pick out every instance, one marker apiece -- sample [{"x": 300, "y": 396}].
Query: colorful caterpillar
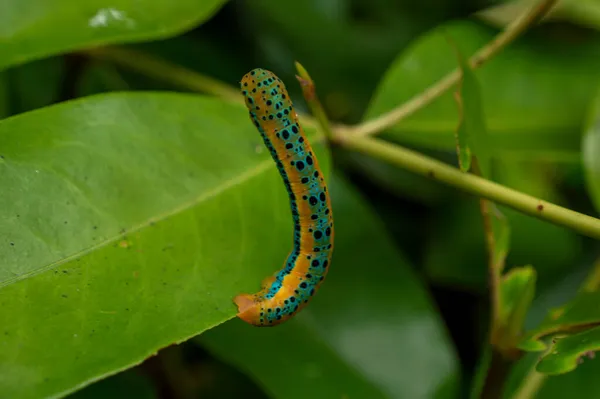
[{"x": 290, "y": 289}]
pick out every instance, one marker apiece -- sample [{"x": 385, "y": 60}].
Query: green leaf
[
  {"x": 566, "y": 353},
  {"x": 462, "y": 138},
  {"x": 582, "y": 382},
  {"x": 591, "y": 152},
  {"x": 37, "y": 28},
  {"x": 524, "y": 114},
  {"x": 472, "y": 131},
  {"x": 362, "y": 333},
  {"x": 579, "y": 314},
  {"x": 517, "y": 290},
  {"x": 129, "y": 222}
]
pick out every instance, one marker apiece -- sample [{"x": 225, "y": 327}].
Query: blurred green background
[{"x": 367, "y": 57}]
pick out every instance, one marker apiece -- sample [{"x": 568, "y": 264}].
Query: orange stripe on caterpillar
[{"x": 290, "y": 289}]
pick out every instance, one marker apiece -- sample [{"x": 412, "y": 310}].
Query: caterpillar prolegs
[{"x": 290, "y": 289}]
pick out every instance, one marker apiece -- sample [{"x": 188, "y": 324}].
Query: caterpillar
[{"x": 290, "y": 289}]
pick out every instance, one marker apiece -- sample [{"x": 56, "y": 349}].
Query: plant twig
[
  {"x": 509, "y": 34},
  {"x": 172, "y": 73},
  {"x": 495, "y": 378},
  {"x": 163, "y": 70},
  {"x": 494, "y": 271},
  {"x": 310, "y": 95},
  {"x": 531, "y": 384},
  {"x": 434, "y": 169}
]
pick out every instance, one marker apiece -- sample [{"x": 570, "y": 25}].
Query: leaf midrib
[{"x": 260, "y": 167}]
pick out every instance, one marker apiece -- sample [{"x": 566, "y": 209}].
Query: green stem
[
  {"x": 429, "y": 167},
  {"x": 172, "y": 73},
  {"x": 531, "y": 384},
  {"x": 508, "y": 35},
  {"x": 310, "y": 95},
  {"x": 157, "y": 68},
  {"x": 494, "y": 270},
  {"x": 495, "y": 378}
]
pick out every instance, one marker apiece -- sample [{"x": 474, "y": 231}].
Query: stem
[
  {"x": 310, "y": 95},
  {"x": 509, "y": 34},
  {"x": 157, "y": 68},
  {"x": 494, "y": 271},
  {"x": 429, "y": 167},
  {"x": 497, "y": 374},
  {"x": 531, "y": 385},
  {"x": 172, "y": 73}
]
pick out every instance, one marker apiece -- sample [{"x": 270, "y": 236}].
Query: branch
[
  {"x": 478, "y": 186},
  {"x": 163, "y": 70},
  {"x": 508, "y": 35},
  {"x": 177, "y": 75},
  {"x": 312, "y": 100},
  {"x": 532, "y": 383}
]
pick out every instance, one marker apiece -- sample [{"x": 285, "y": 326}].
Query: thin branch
[
  {"x": 163, "y": 70},
  {"x": 494, "y": 271},
  {"x": 310, "y": 95},
  {"x": 174, "y": 74},
  {"x": 478, "y": 186},
  {"x": 509, "y": 34},
  {"x": 531, "y": 384}
]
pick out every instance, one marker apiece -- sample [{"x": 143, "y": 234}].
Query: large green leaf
[
  {"x": 591, "y": 152},
  {"x": 128, "y": 222},
  {"x": 519, "y": 86},
  {"x": 370, "y": 332},
  {"x": 32, "y": 29}
]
